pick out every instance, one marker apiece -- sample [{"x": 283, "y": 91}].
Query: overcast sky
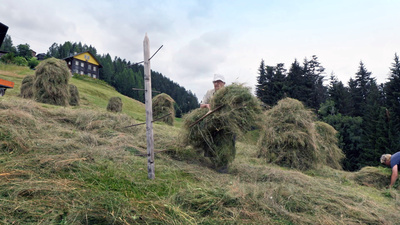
[{"x": 204, "y": 37}]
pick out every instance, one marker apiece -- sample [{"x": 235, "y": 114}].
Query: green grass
[{"x": 79, "y": 165}]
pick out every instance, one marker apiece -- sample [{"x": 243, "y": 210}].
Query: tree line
[
  {"x": 123, "y": 75},
  {"x": 365, "y": 114}
]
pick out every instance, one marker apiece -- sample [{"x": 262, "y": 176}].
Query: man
[
  {"x": 393, "y": 161},
  {"x": 219, "y": 82}
]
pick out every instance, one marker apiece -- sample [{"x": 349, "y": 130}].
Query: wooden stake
[{"x": 149, "y": 110}]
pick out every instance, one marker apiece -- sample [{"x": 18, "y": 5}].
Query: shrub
[
  {"x": 33, "y": 62},
  {"x": 20, "y": 61}
]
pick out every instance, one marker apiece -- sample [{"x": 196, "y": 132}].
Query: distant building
[
  {"x": 85, "y": 64},
  {"x": 2, "y": 53},
  {"x": 33, "y": 53},
  {"x": 41, "y": 56}
]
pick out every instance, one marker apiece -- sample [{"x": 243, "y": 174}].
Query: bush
[
  {"x": 51, "y": 82},
  {"x": 74, "y": 95},
  {"x": 8, "y": 58},
  {"x": 163, "y": 105},
  {"x": 27, "y": 87},
  {"x": 20, "y": 61},
  {"x": 33, "y": 62},
  {"x": 114, "y": 104}
]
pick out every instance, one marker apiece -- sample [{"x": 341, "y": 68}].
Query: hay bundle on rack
[
  {"x": 27, "y": 87},
  {"x": 51, "y": 82},
  {"x": 73, "y": 95},
  {"x": 163, "y": 105},
  {"x": 216, "y": 133},
  {"x": 290, "y": 138},
  {"x": 114, "y": 104}
]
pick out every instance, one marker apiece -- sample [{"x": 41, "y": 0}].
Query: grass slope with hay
[{"x": 79, "y": 165}]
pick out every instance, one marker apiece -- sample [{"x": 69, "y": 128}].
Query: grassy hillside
[{"x": 79, "y": 165}]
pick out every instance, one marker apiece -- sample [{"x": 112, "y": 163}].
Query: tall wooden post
[{"x": 149, "y": 110}]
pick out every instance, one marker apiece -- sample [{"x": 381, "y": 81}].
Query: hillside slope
[{"x": 80, "y": 165}]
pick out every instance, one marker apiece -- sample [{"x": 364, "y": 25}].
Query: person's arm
[
  {"x": 394, "y": 176},
  {"x": 205, "y": 106}
]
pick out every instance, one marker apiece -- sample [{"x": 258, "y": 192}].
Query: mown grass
[{"x": 80, "y": 165}]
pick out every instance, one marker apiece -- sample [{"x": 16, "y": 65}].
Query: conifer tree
[{"x": 392, "y": 94}]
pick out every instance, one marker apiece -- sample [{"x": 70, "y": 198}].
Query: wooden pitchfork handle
[{"x": 207, "y": 114}]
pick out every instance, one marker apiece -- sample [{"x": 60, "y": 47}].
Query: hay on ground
[
  {"x": 114, "y": 104},
  {"x": 163, "y": 105},
  {"x": 215, "y": 135},
  {"x": 27, "y": 87},
  {"x": 51, "y": 82},
  {"x": 291, "y": 138},
  {"x": 376, "y": 177},
  {"x": 74, "y": 95}
]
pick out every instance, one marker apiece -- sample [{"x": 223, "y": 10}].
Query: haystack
[
  {"x": 114, "y": 104},
  {"x": 51, "y": 82},
  {"x": 163, "y": 105},
  {"x": 27, "y": 87},
  {"x": 74, "y": 95},
  {"x": 215, "y": 135},
  {"x": 327, "y": 144},
  {"x": 291, "y": 138}
]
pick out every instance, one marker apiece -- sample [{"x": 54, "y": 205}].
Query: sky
[{"x": 230, "y": 37}]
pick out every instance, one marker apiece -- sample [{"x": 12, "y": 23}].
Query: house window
[
  {"x": 81, "y": 72},
  {"x": 77, "y": 63},
  {"x": 94, "y": 68},
  {"x": 82, "y": 64},
  {"x": 89, "y": 67},
  {"x": 94, "y": 76},
  {"x": 90, "y": 75}
]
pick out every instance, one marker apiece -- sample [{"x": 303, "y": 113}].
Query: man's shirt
[
  {"x": 207, "y": 97},
  {"x": 395, "y": 159}
]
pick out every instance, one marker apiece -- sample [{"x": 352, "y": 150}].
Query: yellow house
[{"x": 84, "y": 63}]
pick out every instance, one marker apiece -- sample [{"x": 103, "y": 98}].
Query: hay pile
[
  {"x": 114, "y": 104},
  {"x": 51, "y": 82},
  {"x": 73, "y": 95},
  {"x": 291, "y": 138},
  {"x": 376, "y": 177},
  {"x": 27, "y": 87},
  {"x": 327, "y": 143},
  {"x": 215, "y": 135},
  {"x": 163, "y": 104}
]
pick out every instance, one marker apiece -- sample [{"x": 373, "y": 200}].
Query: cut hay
[
  {"x": 376, "y": 177},
  {"x": 114, "y": 104},
  {"x": 291, "y": 138},
  {"x": 27, "y": 87},
  {"x": 215, "y": 135},
  {"x": 163, "y": 105},
  {"x": 327, "y": 144},
  {"x": 51, "y": 82},
  {"x": 74, "y": 95}
]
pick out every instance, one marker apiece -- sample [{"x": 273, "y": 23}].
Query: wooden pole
[{"x": 149, "y": 110}]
